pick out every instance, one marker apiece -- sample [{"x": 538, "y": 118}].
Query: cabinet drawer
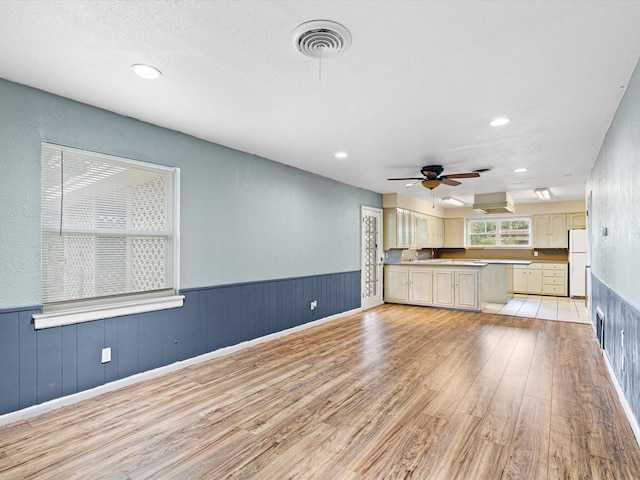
[
  {"x": 554, "y": 290},
  {"x": 532, "y": 266},
  {"x": 555, "y": 266},
  {"x": 553, "y": 281},
  {"x": 555, "y": 273}
]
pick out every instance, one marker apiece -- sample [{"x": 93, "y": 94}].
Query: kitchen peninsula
[{"x": 457, "y": 284}]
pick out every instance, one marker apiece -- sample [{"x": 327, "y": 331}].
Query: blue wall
[
  {"x": 243, "y": 218},
  {"x": 259, "y": 241},
  {"x": 40, "y": 365}
]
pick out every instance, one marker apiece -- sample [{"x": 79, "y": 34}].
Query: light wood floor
[
  {"x": 562, "y": 309},
  {"x": 396, "y": 392}
]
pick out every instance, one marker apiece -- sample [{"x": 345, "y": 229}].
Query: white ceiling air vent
[
  {"x": 493, "y": 203},
  {"x": 321, "y": 39}
]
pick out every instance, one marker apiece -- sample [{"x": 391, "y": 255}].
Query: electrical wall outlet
[
  {"x": 106, "y": 355},
  {"x": 535, "y": 253},
  {"x": 314, "y": 305}
]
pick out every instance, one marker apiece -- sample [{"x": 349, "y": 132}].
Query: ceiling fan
[{"x": 432, "y": 177}]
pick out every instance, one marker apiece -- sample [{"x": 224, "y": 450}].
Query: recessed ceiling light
[
  {"x": 520, "y": 170},
  {"x": 498, "y": 122},
  {"x": 146, "y": 71},
  {"x": 341, "y": 155}
]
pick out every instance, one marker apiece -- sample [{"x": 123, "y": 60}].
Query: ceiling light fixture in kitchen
[
  {"x": 146, "y": 71},
  {"x": 453, "y": 201},
  {"x": 499, "y": 121},
  {"x": 341, "y": 154},
  {"x": 543, "y": 193}
]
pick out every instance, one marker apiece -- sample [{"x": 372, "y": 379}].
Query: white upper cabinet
[
  {"x": 422, "y": 231},
  {"x": 576, "y": 220},
  {"x": 454, "y": 233},
  {"x": 399, "y": 228},
  {"x": 550, "y": 231}
]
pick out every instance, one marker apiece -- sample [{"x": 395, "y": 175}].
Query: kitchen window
[
  {"x": 109, "y": 236},
  {"x": 507, "y": 232}
]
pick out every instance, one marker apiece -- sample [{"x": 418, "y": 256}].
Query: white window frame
[
  {"x": 498, "y": 220},
  {"x": 71, "y": 311}
]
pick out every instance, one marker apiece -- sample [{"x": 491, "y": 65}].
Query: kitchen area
[{"x": 444, "y": 258}]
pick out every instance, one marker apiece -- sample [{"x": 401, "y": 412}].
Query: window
[
  {"x": 508, "y": 232},
  {"x": 109, "y": 236}
]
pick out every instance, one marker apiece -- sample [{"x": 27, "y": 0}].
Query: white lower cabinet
[
  {"x": 555, "y": 279},
  {"x": 458, "y": 288},
  {"x": 396, "y": 281},
  {"x": 443, "y": 285},
  {"x": 466, "y": 289},
  {"x": 527, "y": 279},
  {"x": 420, "y": 286}
]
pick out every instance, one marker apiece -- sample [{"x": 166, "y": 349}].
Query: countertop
[
  {"x": 470, "y": 262},
  {"x": 442, "y": 263}
]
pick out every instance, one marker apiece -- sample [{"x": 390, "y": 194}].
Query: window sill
[{"x": 79, "y": 315}]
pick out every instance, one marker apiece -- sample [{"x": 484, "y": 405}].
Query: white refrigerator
[{"x": 577, "y": 262}]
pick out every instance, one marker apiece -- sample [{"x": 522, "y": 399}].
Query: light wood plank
[{"x": 395, "y": 392}]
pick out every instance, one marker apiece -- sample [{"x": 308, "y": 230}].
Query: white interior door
[{"x": 372, "y": 257}]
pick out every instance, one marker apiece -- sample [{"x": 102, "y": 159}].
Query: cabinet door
[
  {"x": 558, "y": 231},
  {"x": 395, "y": 284},
  {"x": 439, "y": 222},
  {"x": 576, "y": 220},
  {"x": 535, "y": 282},
  {"x": 520, "y": 280},
  {"x": 466, "y": 289},
  {"x": 454, "y": 233},
  {"x": 541, "y": 231},
  {"x": 443, "y": 287},
  {"x": 420, "y": 286},
  {"x": 406, "y": 229},
  {"x": 422, "y": 240},
  {"x": 401, "y": 222}
]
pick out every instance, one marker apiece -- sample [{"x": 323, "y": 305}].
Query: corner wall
[{"x": 613, "y": 225}]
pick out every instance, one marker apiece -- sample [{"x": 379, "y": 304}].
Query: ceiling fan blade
[
  {"x": 462, "y": 175},
  {"x": 448, "y": 181},
  {"x": 406, "y": 178}
]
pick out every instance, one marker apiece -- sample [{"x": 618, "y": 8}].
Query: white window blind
[{"x": 109, "y": 229}]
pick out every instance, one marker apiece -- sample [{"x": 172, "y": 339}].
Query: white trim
[
  {"x": 41, "y": 408},
  {"x": 633, "y": 421},
  {"x": 378, "y": 213},
  {"x": 88, "y": 314}
]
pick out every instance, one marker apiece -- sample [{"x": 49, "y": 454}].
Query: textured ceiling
[{"x": 418, "y": 86}]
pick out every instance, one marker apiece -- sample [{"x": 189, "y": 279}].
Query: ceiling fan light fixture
[
  {"x": 431, "y": 183},
  {"x": 453, "y": 201},
  {"x": 146, "y": 71},
  {"x": 543, "y": 193}
]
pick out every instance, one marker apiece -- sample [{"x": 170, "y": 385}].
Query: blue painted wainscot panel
[
  {"x": 40, "y": 365},
  {"x": 620, "y": 316}
]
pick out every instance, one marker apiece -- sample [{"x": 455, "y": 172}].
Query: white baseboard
[
  {"x": 633, "y": 421},
  {"x": 41, "y": 408}
]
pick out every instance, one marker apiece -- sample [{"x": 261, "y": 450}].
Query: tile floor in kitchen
[{"x": 563, "y": 309}]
